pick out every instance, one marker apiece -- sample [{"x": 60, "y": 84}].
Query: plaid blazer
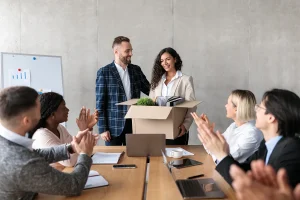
[{"x": 110, "y": 91}]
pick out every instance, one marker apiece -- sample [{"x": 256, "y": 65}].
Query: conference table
[{"x": 160, "y": 185}]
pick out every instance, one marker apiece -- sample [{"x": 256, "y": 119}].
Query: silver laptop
[
  {"x": 195, "y": 189},
  {"x": 139, "y": 145}
]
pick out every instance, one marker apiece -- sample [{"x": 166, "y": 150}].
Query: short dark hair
[
  {"x": 118, "y": 40},
  {"x": 16, "y": 100},
  {"x": 285, "y": 106}
]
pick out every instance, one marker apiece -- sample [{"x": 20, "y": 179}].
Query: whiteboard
[{"x": 45, "y": 71}]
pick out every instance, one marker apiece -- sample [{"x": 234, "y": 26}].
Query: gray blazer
[
  {"x": 24, "y": 173},
  {"x": 183, "y": 87}
]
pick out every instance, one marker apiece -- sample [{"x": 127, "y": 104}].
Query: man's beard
[{"x": 124, "y": 60}]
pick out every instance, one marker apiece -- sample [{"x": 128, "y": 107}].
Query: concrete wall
[{"x": 224, "y": 44}]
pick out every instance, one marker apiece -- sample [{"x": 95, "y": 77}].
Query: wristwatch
[{"x": 70, "y": 148}]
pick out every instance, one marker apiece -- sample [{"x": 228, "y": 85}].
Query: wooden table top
[
  {"x": 161, "y": 185},
  {"x": 123, "y": 183}
]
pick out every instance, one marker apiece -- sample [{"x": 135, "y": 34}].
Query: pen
[{"x": 196, "y": 176}]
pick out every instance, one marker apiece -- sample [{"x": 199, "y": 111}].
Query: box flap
[
  {"x": 188, "y": 104},
  {"x": 128, "y": 103},
  {"x": 148, "y": 112}
]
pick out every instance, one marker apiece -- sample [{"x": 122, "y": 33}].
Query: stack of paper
[
  {"x": 95, "y": 180},
  {"x": 185, "y": 153},
  {"x": 106, "y": 158}
]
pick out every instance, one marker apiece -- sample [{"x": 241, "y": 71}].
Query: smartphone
[{"x": 129, "y": 166}]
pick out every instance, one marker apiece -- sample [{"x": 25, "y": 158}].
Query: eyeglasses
[{"x": 258, "y": 107}]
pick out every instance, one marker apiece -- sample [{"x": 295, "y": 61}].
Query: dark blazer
[
  {"x": 286, "y": 154},
  {"x": 110, "y": 91}
]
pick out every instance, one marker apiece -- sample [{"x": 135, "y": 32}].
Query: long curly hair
[
  {"x": 50, "y": 102},
  {"x": 158, "y": 70}
]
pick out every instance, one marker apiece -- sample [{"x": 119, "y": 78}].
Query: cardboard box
[{"x": 157, "y": 119}]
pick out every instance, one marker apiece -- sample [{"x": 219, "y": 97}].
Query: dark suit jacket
[
  {"x": 286, "y": 154},
  {"x": 110, "y": 91}
]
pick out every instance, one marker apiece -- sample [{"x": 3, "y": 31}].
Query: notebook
[
  {"x": 95, "y": 180},
  {"x": 106, "y": 158}
]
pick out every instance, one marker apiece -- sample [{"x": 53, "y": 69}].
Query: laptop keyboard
[{"x": 190, "y": 188}]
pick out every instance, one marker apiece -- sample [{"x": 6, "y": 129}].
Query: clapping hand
[{"x": 85, "y": 120}]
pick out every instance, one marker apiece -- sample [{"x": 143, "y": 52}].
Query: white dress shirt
[
  {"x": 166, "y": 89},
  {"x": 124, "y": 75},
  {"x": 243, "y": 141},
  {"x": 16, "y": 138}
]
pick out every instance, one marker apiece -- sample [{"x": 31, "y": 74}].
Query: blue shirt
[{"x": 271, "y": 145}]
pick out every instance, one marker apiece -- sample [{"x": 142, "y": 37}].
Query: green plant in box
[{"x": 145, "y": 101}]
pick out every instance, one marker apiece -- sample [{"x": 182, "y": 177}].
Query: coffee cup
[{"x": 177, "y": 153}]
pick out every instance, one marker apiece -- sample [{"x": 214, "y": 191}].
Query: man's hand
[
  {"x": 105, "y": 136},
  {"x": 248, "y": 188},
  {"x": 81, "y": 134},
  {"x": 214, "y": 142},
  {"x": 263, "y": 174},
  {"x": 85, "y": 145}
]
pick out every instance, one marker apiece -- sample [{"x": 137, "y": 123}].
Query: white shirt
[
  {"x": 16, "y": 138},
  {"x": 166, "y": 89},
  {"x": 243, "y": 141},
  {"x": 124, "y": 75}
]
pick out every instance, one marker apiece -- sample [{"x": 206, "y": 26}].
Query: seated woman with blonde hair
[
  {"x": 49, "y": 132},
  {"x": 242, "y": 135}
]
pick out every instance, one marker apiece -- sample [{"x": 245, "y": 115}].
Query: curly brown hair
[{"x": 158, "y": 70}]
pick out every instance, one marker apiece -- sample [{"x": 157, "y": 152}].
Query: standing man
[{"x": 117, "y": 82}]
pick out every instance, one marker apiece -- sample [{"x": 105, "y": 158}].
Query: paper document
[
  {"x": 185, "y": 153},
  {"x": 106, "y": 158},
  {"x": 95, "y": 180},
  {"x": 93, "y": 173},
  {"x": 19, "y": 77}
]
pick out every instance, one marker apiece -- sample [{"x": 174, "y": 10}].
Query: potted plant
[{"x": 145, "y": 101}]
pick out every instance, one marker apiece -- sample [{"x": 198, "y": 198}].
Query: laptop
[
  {"x": 195, "y": 189},
  {"x": 139, "y": 145}
]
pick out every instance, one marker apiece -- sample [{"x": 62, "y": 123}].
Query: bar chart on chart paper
[{"x": 19, "y": 77}]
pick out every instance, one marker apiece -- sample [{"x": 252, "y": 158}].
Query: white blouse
[
  {"x": 243, "y": 141},
  {"x": 166, "y": 89}
]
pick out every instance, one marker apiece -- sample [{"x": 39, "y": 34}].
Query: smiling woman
[
  {"x": 49, "y": 132},
  {"x": 168, "y": 80}
]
